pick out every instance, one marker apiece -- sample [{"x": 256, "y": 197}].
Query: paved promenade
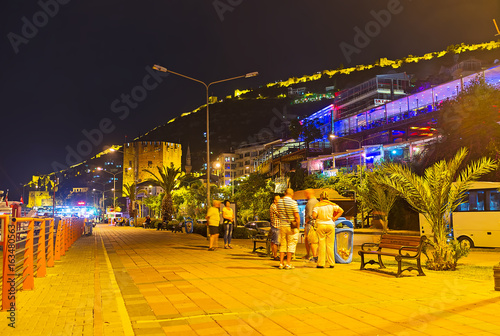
[{"x": 131, "y": 281}]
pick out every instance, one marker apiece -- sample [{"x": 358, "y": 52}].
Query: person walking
[
  {"x": 289, "y": 228},
  {"x": 275, "y": 227},
  {"x": 311, "y": 242},
  {"x": 213, "y": 219},
  {"x": 228, "y": 222},
  {"x": 326, "y": 213}
]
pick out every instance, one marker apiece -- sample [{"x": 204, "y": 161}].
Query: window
[
  {"x": 150, "y": 164},
  {"x": 476, "y": 200},
  {"x": 481, "y": 200},
  {"x": 494, "y": 202},
  {"x": 130, "y": 164}
]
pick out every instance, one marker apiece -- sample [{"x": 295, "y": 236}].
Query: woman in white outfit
[{"x": 326, "y": 213}]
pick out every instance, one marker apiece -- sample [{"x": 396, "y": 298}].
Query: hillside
[{"x": 257, "y": 115}]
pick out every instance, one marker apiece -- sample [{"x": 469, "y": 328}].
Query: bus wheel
[{"x": 466, "y": 242}]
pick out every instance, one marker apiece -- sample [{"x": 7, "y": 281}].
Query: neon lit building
[{"x": 410, "y": 106}]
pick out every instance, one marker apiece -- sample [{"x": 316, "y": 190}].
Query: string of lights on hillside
[{"x": 382, "y": 63}]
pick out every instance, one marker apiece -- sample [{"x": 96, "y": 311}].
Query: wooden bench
[
  {"x": 409, "y": 247},
  {"x": 261, "y": 238}
]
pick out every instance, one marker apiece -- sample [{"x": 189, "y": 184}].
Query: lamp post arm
[
  {"x": 191, "y": 78},
  {"x": 226, "y": 80}
]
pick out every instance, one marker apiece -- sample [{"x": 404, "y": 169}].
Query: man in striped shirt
[{"x": 289, "y": 212}]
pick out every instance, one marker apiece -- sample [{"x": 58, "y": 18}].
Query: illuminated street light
[
  {"x": 207, "y": 86},
  {"x": 361, "y": 155},
  {"x": 114, "y": 183}
]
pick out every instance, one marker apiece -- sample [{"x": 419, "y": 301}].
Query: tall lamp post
[
  {"x": 114, "y": 183},
  {"x": 207, "y": 86},
  {"x": 94, "y": 190}
]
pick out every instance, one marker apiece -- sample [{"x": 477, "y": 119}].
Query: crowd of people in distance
[{"x": 320, "y": 217}]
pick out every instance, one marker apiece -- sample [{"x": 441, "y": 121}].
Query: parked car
[{"x": 259, "y": 227}]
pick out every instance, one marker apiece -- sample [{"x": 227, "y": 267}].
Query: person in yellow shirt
[
  {"x": 213, "y": 219},
  {"x": 228, "y": 221},
  {"x": 326, "y": 213}
]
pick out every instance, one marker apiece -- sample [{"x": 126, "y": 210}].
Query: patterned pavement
[{"x": 131, "y": 281}]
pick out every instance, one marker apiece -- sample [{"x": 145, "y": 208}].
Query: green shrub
[
  {"x": 140, "y": 222},
  {"x": 155, "y": 222},
  {"x": 200, "y": 229},
  {"x": 241, "y": 232}
]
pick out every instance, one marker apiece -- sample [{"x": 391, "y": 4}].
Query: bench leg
[
  {"x": 380, "y": 263},
  {"x": 362, "y": 261},
  {"x": 399, "y": 269},
  {"x": 254, "y": 246},
  {"x": 419, "y": 266}
]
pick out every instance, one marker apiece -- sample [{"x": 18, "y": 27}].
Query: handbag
[
  {"x": 312, "y": 236},
  {"x": 293, "y": 224}
]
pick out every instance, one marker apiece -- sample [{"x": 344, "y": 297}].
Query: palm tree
[
  {"x": 168, "y": 179},
  {"x": 380, "y": 196},
  {"x": 129, "y": 190},
  {"x": 436, "y": 194}
]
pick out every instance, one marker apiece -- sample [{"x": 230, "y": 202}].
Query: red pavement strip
[{"x": 131, "y": 281}]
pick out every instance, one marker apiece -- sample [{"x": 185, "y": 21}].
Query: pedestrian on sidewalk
[
  {"x": 213, "y": 219},
  {"x": 228, "y": 222},
  {"x": 275, "y": 227},
  {"x": 147, "y": 222},
  {"x": 289, "y": 228},
  {"x": 326, "y": 213},
  {"x": 311, "y": 239}
]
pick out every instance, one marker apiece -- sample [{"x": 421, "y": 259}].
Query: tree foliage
[
  {"x": 254, "y": 196},
  {"x": 167, "y": 178}
]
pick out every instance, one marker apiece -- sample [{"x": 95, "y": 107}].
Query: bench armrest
[
  {"x": 367, "y": 245},
  {"x": 410, "y": 247}
]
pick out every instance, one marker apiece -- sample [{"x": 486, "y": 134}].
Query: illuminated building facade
[
  {"x": 374, "y": 92},
  {"x": 225, "y": 168},
  {"x": 246, "y": 159}
]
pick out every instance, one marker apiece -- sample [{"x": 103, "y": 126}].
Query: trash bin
[
  {"x": 344, "y": 240},
  {"x": 188, "y": 225}
]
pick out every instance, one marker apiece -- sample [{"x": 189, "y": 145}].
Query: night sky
[{"x": 62, "y": 77}]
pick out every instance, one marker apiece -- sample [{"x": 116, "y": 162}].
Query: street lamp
[
  {"x": 114, "y": 183},
  {"x": 103, "y": 191},
  {"x": 94, "y": 190},
  {"x": 207, "y": 86},
  {"x": 333, "y": 136}
]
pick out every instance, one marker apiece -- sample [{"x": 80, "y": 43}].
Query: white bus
[{"x": 476, "y": 222}]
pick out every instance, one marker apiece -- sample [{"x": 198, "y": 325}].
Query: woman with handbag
[{"x": 326, "y": 213}]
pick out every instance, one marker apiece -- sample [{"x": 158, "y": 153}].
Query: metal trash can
[
  {"x": 188, "y": 225},
  {"x": 344, "y": 241}
]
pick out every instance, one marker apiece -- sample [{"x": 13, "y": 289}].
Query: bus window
[
  {"x": 494, "y": 200},
  {"x": 464, "y": 206},
  {"x": 476, "y": 200}
]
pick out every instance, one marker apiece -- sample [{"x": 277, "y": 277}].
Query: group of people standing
[
  {"x": 213, "y": 218},
  {"x": 319, "y": 230},
  {"x": 320, "y": 217}
]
